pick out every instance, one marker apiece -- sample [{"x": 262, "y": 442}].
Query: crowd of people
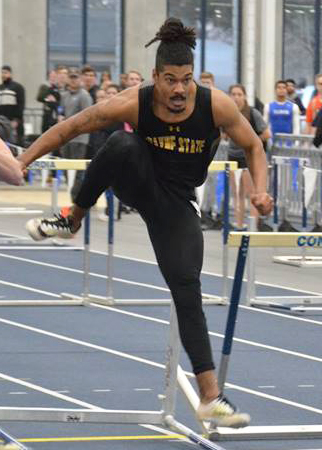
[{"x": 69, "y": 90}]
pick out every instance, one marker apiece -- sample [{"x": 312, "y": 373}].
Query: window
[
  {"x": 217, "y": 26},
  {"x": 85, "y": 31},
  {"x": 299, "y": 40}
]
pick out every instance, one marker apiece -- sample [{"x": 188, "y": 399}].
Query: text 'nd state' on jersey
[{"x": 177, "y": 144}]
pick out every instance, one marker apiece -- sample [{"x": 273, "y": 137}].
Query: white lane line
[
  {"x": 283, "y": 316},
  {"x": 101, "y": 390},
  {"x": 267, "y": 387},
  {"x": 43, "y": 390},
  {"x": 97, "y": 275},
  {"x": 17, "y": 393},
  {"x": 152, "y": 286},
  {"x": 27, "y": 288},
  {"x": 212, "y": 333},
  {"x": 83, "y": 343},
  {"x": 62, "y": 392},
  {"x": 142, "y": 389},
  {"x": 141, "y": 360},
  {"x": 204, "y": 272},
  {"x": 306, "y": 385}
]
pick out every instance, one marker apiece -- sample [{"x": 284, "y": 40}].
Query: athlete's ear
[{"x": 154, "y": 75}]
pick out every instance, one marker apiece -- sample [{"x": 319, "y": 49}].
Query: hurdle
[
  {"x": 9, "y": 442},
  {"x": 109, "y": 299},
  {"x": 296, "y": 303},
  {"x": 244, "y": 240},
  {"x": 49, "y": 164},
  {"x": 174, "y": 376}
]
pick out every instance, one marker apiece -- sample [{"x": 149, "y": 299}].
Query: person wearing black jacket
[
  {"x": 12, "y": 102},
  {"x": 49, "y": 95},
  {"x": 317, "y": 141}
]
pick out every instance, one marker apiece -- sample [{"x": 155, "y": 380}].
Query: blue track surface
[{"x": 277, "y": 357}]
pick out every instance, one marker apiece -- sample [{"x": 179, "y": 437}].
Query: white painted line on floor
[
  {"x": 283, "y": 316},
  {"x": 62, "y": 392},
  {"x": 266, "y": 387},
  {"x": 82, "y": 343},
  {"x": 97, "y": 275},
  {"x": 27, "y": 288},
  {"x": 17, "y": 393},
  {"x": 142, "y": 389},
  {"x": 306, "y": 385},
  {"x": 212, "y": 333},
  {"x": 35, "y": 387},
  {"x": 101, "y": 390},
  {"x": 141, "y": 360}
]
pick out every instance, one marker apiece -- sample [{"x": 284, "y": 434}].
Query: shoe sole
[
  {"x": 32, "y": 229},
  {"x": 238, "y": 420}
]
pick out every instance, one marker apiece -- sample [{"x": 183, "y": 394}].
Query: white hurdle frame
[
  {"x": 246, "y": 240},
  {"x": 109, "y": 299},
  {"x": 50, "y": 164},
  {"x": 296, "y": 303}
]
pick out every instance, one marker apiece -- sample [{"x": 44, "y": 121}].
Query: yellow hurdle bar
[
  {"x": 299, "y": 240},
  {"x": 81, "y": 164},
  {"x": 59, "y": 164},
  {"x": 217, "y": 166}
]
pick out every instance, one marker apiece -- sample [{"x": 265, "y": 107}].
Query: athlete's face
[
  {"x": 174, "y": 84},
  {"x": 238, "y": 96}
]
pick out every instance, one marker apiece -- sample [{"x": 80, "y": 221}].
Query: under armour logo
[{"x": 171, "y": 128}]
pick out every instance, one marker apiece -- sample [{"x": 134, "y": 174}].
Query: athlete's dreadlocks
[{"x": 177, "y": 42}]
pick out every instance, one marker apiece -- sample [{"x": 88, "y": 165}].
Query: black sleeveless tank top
[{"x": 181, "y": 152}]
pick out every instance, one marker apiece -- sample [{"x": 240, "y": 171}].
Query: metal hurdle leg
[
  {"x": 233, "y": 308},
  {"x": 225, "y": 235},
  {"x": 10, "y": 442},
  {"x": 171, "y": 377}
]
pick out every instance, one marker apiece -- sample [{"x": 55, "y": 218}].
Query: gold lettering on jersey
[
  {"x": 181, "y": 144},
  {"x": 176, "y": 128}
]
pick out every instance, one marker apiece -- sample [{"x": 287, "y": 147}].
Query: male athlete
[{"x": 156, "y": 170}]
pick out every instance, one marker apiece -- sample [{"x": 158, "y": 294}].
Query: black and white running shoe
[
  {"x": 57, "y": 226},
  {"x": 222, "y": 413}
]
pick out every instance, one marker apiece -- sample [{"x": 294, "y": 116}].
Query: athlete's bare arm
[
  {"x": 227, "y": 116},
  {"x": 123, "y": 107}
]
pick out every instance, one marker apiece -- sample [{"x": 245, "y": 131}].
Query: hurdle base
[
  {"x": 267, "y": 433},
  {"x": 298, "y": 261},
  {"x": 289, "y": 303},
  {"x": 73, "y": 415},
  {"x": 58, "y": 302}
]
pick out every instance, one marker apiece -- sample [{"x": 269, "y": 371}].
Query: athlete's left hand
[{"x": 263, "y": 202}]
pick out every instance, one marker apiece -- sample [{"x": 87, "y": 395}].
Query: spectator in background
[
  {"x": 317, "y": 123},
  {"x": 61, "y": 78},
  {"x": 207, "y": 79},
  {"x": 293, "y": 96},
  {"x": 133, "y": 78},
  {"x": 314, "y": 106},
  {"x": 123, "y": 78},
  {"x": 73, "y": 101},
  {"x": 245, "y": 189},
  {"x": 89, "y": 81},
  {"x": 98, "y": 138},
  {"x": 282, "y": 116},
  {"x": 12, "y": 103},
  {"x": 49, "y": 95},
  {"x": 105, "y": 79}
]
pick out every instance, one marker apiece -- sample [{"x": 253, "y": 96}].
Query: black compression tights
[{"x": 125, "y": 163}]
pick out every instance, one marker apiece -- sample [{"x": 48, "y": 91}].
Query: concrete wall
[
  {"x": 142, "y": 20},
  {"x": 24, "y": 43}
]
